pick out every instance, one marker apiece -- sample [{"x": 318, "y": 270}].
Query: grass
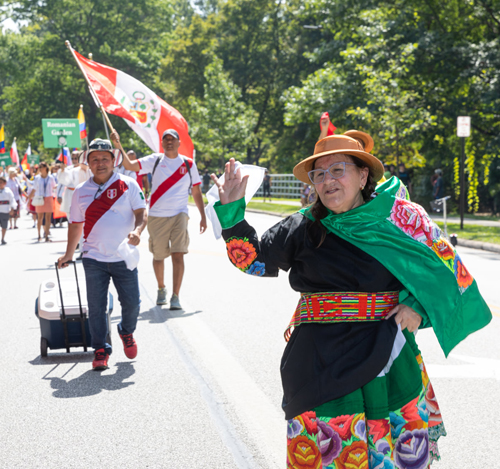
[
  {"x": 484, "y": 234},
  {"x": 277, "y": 199},
  {"x": 475, "y": 216},
  {"x": 274, "y": 199},
  {"x": 282, "y": 209}
]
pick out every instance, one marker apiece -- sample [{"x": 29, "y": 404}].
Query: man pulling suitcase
[{"x": 109, "y": 208}]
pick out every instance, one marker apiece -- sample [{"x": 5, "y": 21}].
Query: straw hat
[
  {"x": 12, "y": 170},
  {"x": 364, "y": 137},
  {"x": 332, "y": 145}
]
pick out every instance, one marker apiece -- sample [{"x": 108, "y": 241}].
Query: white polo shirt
[
  {"x": 44, "y": 186},
  {"x": 7, "y": 200},
  {"x": 107, "y": 214},
  {"x": 170, "y": 182}
]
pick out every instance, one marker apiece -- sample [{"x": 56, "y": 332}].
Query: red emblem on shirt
[
  {"x": 112, "y": 193},
  {"x": 183, "y": 169}
]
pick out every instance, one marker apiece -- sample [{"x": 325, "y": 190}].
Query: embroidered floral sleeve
[
  {"x": 262, "y": 258},
  {"x": 414, "y": 221}
]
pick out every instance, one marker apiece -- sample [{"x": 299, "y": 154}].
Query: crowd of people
[
  {"x": 103, "y": 195},
  {"x": 363, "y": 258},
  {"x": 107, "y": 207}
]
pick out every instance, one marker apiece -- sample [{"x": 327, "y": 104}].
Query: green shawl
[{"x": 401, "y": 236}]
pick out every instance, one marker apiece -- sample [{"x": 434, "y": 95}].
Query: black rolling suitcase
[{"x": 63, "y": 315}]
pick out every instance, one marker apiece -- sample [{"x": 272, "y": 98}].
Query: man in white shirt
[
  {"x": 173, "y": 175},
  {"x": 70, "y": 177},
  {"x": 109, "y": 208},
  {"x": 8, "y": 205},
  {"x": 142, "y": 179}
]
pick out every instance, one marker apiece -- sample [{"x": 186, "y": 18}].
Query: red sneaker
[
  {"x": 129, "y": 345},
  {"x": 100, "y": 360}
]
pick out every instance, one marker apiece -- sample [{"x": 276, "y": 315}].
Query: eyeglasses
[{"x": 336, "y": 171}]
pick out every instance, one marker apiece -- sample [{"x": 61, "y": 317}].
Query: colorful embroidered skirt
[{"x": 393, "y": 422}]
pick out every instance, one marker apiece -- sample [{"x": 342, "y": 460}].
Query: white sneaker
[
  {"x": 161, "y": 299},
  {"x": 174, "y": 302}
]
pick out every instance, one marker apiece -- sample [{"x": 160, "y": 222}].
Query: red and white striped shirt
[
  {"x": 107, "y": 212},
  {"x": 170, "y": 187}
]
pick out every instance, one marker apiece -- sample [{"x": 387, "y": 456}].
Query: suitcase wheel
[{"x": 43, "y": 346}]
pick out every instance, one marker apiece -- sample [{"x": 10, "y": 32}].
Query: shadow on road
[
  {"x": 92, "y": 382},
  {"x": 41, "y": 268},
  {"x": 157, "y": 315},
  {"x": 89, "y": 383},
  {"x": 59, "y": 358}
]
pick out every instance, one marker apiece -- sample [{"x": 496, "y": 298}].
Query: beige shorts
[{"x": 168, "y": 235}]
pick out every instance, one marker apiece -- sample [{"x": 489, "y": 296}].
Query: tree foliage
[
  {"x": 223, "y": 124},
  {"x": 401, "y": 70}
]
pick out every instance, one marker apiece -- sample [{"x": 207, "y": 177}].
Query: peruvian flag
[
  {"x": 331, "y": 127},
  {"x": 14, "y": 155},
  {"x": 142, "y": 109}
]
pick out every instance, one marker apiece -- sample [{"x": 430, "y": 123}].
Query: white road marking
[
  {"x": 495, "y": 310},
  {"x": 264, "y": 423},
  {"x": 475, "y": 368},
  {"x": 255, "y": 411}
]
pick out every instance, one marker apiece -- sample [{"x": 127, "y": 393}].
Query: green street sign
[
  {"x": 59, "y": 133},
  {"x": 33, "y": 159},
  {"x": 5, "y": 159}
]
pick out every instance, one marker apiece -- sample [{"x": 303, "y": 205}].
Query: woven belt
[{"x": 342, "y": 307}]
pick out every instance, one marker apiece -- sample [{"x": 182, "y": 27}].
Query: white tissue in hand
[
  {"x": 129, "y": 253},
  {"x": 256, "y": 175}
]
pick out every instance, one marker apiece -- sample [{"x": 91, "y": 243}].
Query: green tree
[
  {"x": 223, "y": 126},
  {"x": 39, "y": 77},
  {"x": 413, "y": 66},
  {"x": 262, "y": 45}
]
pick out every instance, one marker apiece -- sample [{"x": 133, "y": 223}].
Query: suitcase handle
[{"x": 79, "y": 303}]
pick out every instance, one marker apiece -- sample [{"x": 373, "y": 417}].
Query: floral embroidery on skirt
[{"x": 405, "y": 439}]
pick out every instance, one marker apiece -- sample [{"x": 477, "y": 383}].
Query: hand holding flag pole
[{"x": 98, "y": 103}]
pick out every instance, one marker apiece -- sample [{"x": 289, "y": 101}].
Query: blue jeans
[{"x": 97, "y": 276}]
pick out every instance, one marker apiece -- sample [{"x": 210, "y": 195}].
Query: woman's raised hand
[{"x": 234, "y": 185}]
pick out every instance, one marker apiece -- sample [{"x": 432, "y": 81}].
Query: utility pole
[
  {"x": 397, "y": 150},
  {"x": 463, "y": 131}
]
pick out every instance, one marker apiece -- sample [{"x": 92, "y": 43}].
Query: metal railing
[{"x": 283, "y": 186}]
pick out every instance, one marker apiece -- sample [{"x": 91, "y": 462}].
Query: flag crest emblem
[
  {"x": 183, "y": 169},
  {"x": 112, "y": 193}
]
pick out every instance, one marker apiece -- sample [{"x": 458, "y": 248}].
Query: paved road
[{"x": 204, "y": 391}]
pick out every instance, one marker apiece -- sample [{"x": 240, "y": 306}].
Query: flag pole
[
  {"x": 94, "y": 94},
  {"x": 97, "y": 104}
]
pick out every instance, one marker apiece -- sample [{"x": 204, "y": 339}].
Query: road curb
[
  {"x": 265, "y": 212},
  {"x": 461, "y": 242},
  {"x": 468, "y": 243}
]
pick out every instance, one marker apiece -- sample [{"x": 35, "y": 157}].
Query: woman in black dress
[{"x": 356, "y": 393}]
